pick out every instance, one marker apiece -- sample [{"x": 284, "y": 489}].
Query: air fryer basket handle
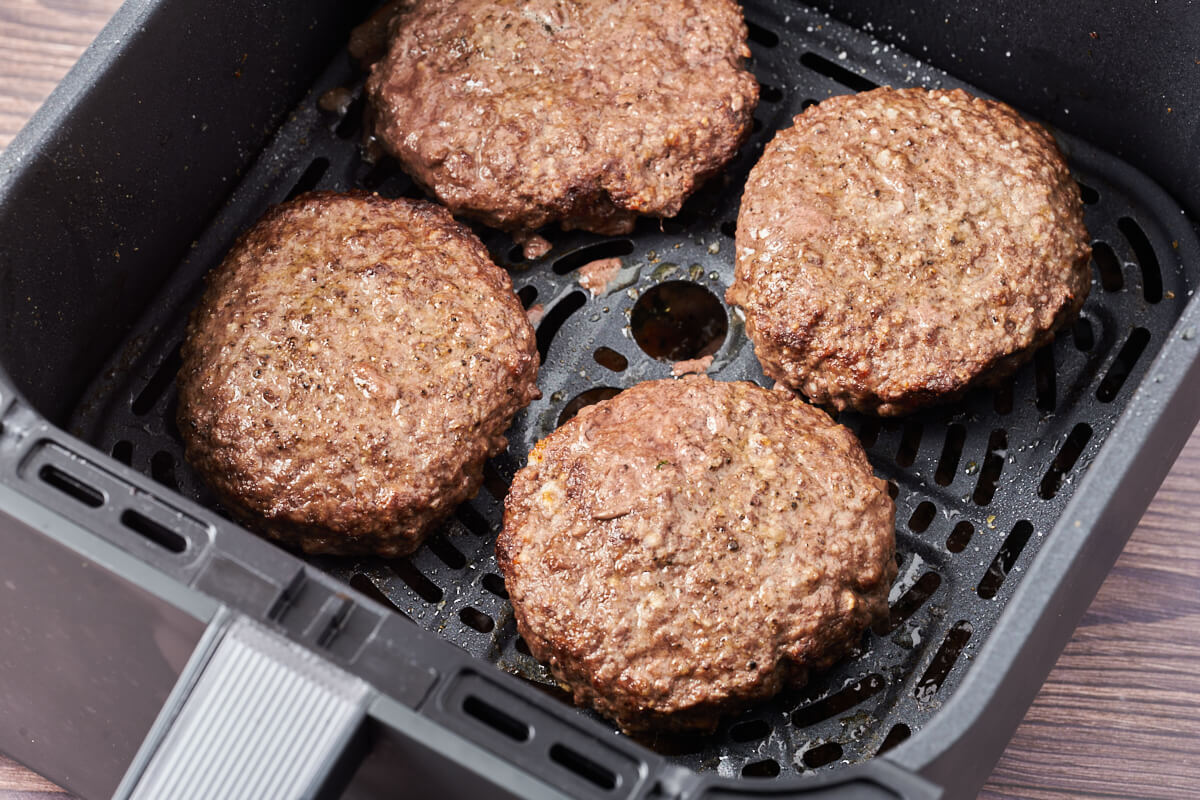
[{"x": 258, "y": 716}]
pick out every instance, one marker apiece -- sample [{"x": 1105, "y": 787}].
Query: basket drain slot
[
  {"x": 162, "y": 469},
  {"x": 1088, "y": 195},
  {"x": 943, "y": 662},
  {"x": 496, "y": 484},
  {"x": 1111, "y": 279},
  {"x": 838, "y": 702},
  {"x": 868, "y": 431},
  {"x": 496, "y": 719},
  {"x": 1072, "y": 448},
  {"x": 585, "y": 399},
  {"x": 767, "y": 768},
  {"x": 845, "y": 77},
  {"x": 1014, "y": 543},
  {"x": 123, "y": 451},
  {"x": 472, "y": 520},
  {"x": 477, "y": 620},
  {"x": 153, "y": 530},
  {"x": 1002, "y": 397},
  {"x": 769, "y": 94},
  {"x": 311, "y": 177},
  {"x": 922, "y": 516},
  {"x": 367, "y": 587},
  {"x": 822, "y": 754},
  {"x": 1152, "y": 283},
  {"x": 610, "y": 359},
  {"x": 1124, "y": 363},
  {"x": 679, "y": 320},
  {"x": 1083, "y": 335},
  {"x": 960, "y": 537},
  {"x": 584, "y": 767},
  {"x": 750, "y": 731},
  {"x": 912, "y": 600},
  {"x": 1043, "y": 378},
  {"x": 447, "y": 553},
  {"x": 426, "y": 589},
  {"x": 555, "y": 318},
  {"x": 895, "y": 736},
  {"x": 593, "y": 252},
  {"x": 761, "y": 35},
  {"x": 351, "y": 122},
  {"x": 993, "y": 465},
  {"x": 527, "y": 295},
  {"x": 495, "y": 584},
  {"x": 956, "y": 439},
  {"x": 159, "y": 384},
  {"x": 910, "y": 444}
]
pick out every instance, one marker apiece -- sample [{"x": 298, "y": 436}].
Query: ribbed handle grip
[{"x": 265, "y": 718}]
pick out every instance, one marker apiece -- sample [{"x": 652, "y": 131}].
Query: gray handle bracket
[{"x": 253, "y": 716}]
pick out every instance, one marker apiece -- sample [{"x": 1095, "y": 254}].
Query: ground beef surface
[
  {"x": 584, "y": 112},
  {"x": 897, "y": 246},
  {"x": 690, "y": 546},
  {"x": 351, "y": 365}
]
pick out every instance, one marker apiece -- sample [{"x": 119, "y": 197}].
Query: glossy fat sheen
[
  {"x": 587, "y": 112},
  {"x": 895, "y": 246},
  {"x": 690, "y": 546},
  {"x": 352, "y": 364}
]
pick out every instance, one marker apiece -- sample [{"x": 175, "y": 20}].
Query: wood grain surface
[{"x": 1119, "y": 716}]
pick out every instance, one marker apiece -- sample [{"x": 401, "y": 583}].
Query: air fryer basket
[{"x": 979, "y": 485}]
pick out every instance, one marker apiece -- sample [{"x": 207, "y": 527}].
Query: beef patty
[
  {"x": 690, "y": 546},
  {"x": 897, "y": 246},
  {"x": 586, "y": 112},
  {"x": 351, "y": 365}
]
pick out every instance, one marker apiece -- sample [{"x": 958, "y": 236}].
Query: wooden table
[{"x": 1120, "y": 714}]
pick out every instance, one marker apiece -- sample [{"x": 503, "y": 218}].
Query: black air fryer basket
[{"x": 153, "y": 648}]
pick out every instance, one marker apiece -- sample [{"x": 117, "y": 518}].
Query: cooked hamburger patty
[
  {"x": 894, "y": 247},
  {"x": 587, "y": 112},
  {"x": 690, "y": 546},
  {"x": 351, "y": 365}
]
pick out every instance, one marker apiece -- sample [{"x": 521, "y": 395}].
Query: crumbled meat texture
[
  {"x": 690, "y": 546},
  {"x": 352, "y": 363},
  {"x": 585, "y": 112},
  {"x": 692, "y": 365},
  {"x": 595, "y": 275},
  {"x": 533, "y": 246},
  {"x": 897, "y": 246}
]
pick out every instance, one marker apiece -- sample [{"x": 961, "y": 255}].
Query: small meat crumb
[
  {"x": 534, "y": 246},
  {"x": 596, "y": 275},
  {"x": 336, "y": 100},
  {"x": 535, "y": 313},
  {"x": 697, "y": 366}
]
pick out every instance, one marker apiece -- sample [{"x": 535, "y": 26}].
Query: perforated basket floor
[{"x": 978, "y": 484}]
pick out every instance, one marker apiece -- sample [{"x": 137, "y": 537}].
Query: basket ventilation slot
[
  {"x": 71, "y": 486},
  {"x": 1002, "y": 564},
  {"x": 583, "y": 766},
  {"x": 497, "y": 720},
  {"x": 156, "y": 532}
]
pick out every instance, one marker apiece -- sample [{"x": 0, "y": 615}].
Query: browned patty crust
[
  {"x": 587, "y": 112},
  {"x": 690, "y": 546},
  {"x": 351, "y": 365},
  {"x": 896, "y": 246}
]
